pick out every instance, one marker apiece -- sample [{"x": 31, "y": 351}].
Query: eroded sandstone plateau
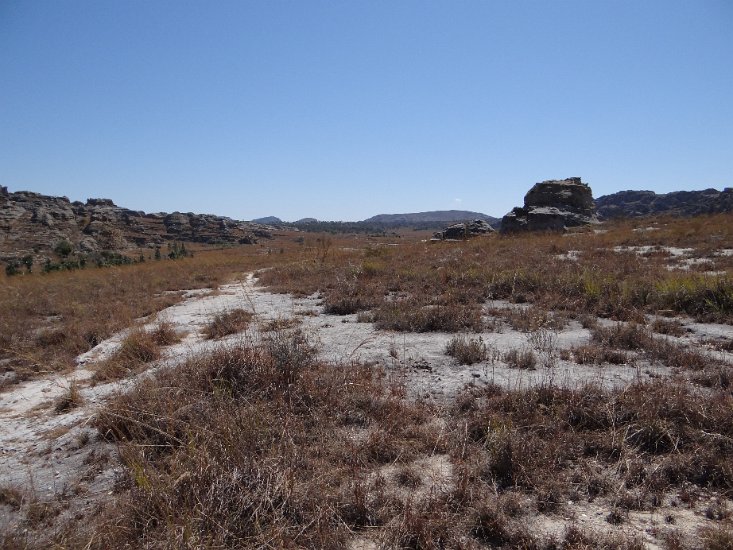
[{"x": 32, "y": 224}]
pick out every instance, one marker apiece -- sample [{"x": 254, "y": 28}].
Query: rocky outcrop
[
  {"x": 33, "y": 224},
  {"x": 460, "y": 231},
  {"x": 634, "y": 204},
  {"x": 552, "y": 205}
]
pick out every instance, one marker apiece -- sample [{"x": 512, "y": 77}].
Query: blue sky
[{"x": 342, "y": 109}]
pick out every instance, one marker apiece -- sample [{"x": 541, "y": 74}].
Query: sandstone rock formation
[
  {"x": 32, "y": 224},
  {"x": 632, "y": 204},
  {"x": 465, "y": 230},
  {"x": 552, "y": 205}
]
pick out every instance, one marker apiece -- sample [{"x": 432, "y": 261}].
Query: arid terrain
[{"x": 538, "y": 390}]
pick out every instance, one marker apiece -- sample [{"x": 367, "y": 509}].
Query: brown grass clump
[
  {"x": 11, "y": 496},
  {"x": 228, "y": 322},
  {"x": 668, "y": 326},
  {"x": 595, "y": 354},
  {"x": 467, "y": 350},
  {"x": 661, "y": 435},
  {"x": 521, "y": 359},
  {"x": 627, "y": 336},
  {"x": 139, "y": 348},
  {"x": 70, "y": 400},
  {"x": 164, "y": 334},
  {"x": 410, "y": 316}
]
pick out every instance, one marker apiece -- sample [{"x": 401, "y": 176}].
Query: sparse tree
[
  {"x": 28, "y": 263},
  {"x": 63, "y": 248}
]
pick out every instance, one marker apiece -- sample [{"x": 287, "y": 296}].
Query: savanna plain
[{"x": 536, "y": 391}]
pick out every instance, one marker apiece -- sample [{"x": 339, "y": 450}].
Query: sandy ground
[{"x": 59, "y": 457}]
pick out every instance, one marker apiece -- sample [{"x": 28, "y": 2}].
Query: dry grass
[
  {"x": 46, "y": 320},
  {"x": 139, "y": 348},
  {"x": 70, "y": 400},
  {"x": 521, "y": 359},
  {"x": 11, "y": 496},
  {"x": 228, "y": 322},
  {"x": 421, "y": 287},
  {"x": 467, "y": 350},
  {"x": 247, "y": 447},
  {"x": 263, "y": 446},
  {"x": 257, "y": 444}
]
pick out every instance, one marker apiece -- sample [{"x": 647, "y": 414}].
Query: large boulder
[
  {"x": 553, "y": 205},
  {"x": 464, "y": 230}
]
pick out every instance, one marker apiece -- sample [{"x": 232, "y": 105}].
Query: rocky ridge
[
  {"x": 552, "y": 205},
  {"x": 32, "y": 224},
  {"x": 634, "y": 204},
  {"x": 441, "y": 216}
]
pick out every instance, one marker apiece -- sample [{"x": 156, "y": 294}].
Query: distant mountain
[
  {"x": 305, "y": 220},
  {"x": 433, "y": 217},
  {"x": 268, "y": 220},
  {"x": 633, "y": 204}
]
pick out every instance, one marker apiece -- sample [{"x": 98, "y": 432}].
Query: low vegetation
[
  {"x": 228, "y": 322},
  {"x": 419, "y": 286},
  {"x": 253, "y": 446},
  {"x": 466, "y": 350},
  {"x": 46, "y": 320},
  {"x": 262, "y": 445}
]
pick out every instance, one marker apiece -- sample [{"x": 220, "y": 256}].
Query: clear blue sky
[{"x": 342, "y": 109}]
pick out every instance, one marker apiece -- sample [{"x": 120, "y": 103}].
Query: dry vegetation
[
  {"x": 46, "y": 320},
  {"x": 264, "y": 446},
  {"x": 228, "y": 322},
  {"x": 423, "y": 287}
]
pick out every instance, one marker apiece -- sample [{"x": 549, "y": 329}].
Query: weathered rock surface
[
  {"x": 33, "y": 224},
  {"x": 552, "y": 205},
  {"x": 465, "y": 230},
  {"x": 633, "y": 204}
]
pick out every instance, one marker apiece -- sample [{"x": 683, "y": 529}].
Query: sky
[{"x": 344, "y": 109}]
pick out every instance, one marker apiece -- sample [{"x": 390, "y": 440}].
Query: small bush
[
  {"x": 137, "y": 349},
  {"x": 669, "y": 327},
  {"x": 467, "y": 350},
  {"x": 593, "y": 354},
  {"x": 11, "y": 496},
  {"x": 63, "y": 248},
  {"x": 228, "y": 322},
  {"x": 409, "y": 316},
  {"x": 164, "y": 334},
  {"x": 70, "y": 400},
  {"x": 628, "y": 336},
  {"x": 521, "y": 359}
]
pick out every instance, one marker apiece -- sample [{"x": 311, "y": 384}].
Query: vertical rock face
[{"x": 553, "y": 205}]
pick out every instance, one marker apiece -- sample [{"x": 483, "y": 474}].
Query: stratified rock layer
[
  {"x": 552, "y": 205},
  {"x": 33, "y": 224}
]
